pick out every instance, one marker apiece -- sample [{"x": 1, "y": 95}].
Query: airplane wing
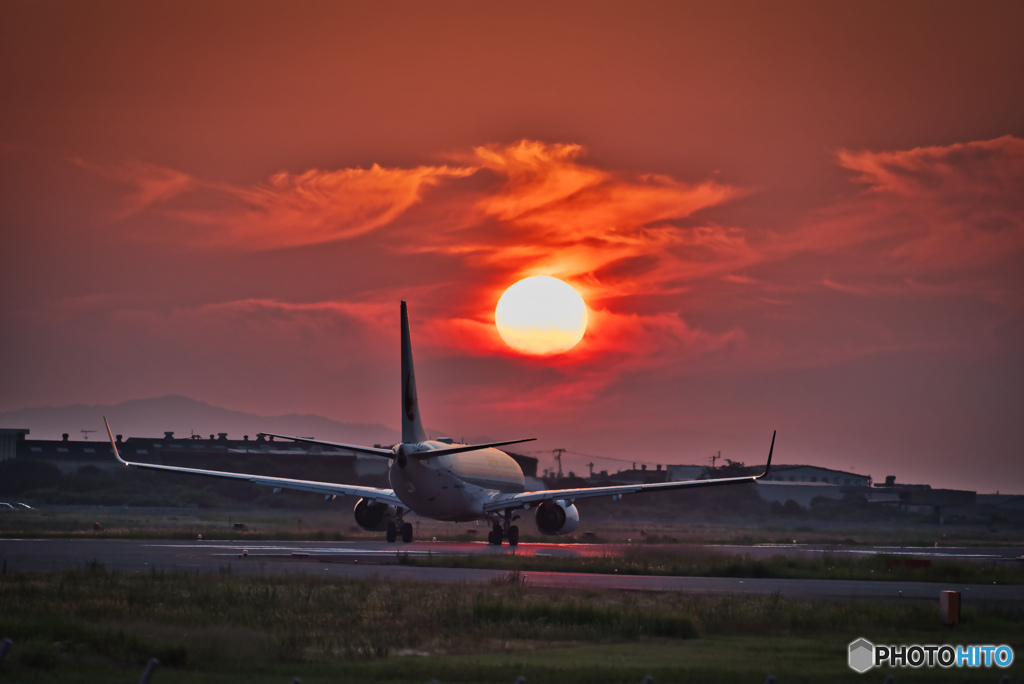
[
  {"x": 374, "y": 494},
  {"x": 525, "y": 499}
]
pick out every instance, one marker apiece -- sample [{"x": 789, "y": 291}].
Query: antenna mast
[{"x": 558, "y": 457}]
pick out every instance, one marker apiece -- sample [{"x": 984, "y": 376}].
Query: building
[
  {"x": 1005, "y": 502},
  {"x": 215, "y": 453},
  {"x": 802, "y": 493},
  {"x": 780, "y": 473},
  {"x": 9, "y": 440},
  {"x": 804, "y": 483},
  {"x": 641, "y": 475},
  {"x": 816, "y": 474},
  {"x": 799, "y": 483},
  {"x": 682, "y": 473},
  {"x": 918, "y": 498}
]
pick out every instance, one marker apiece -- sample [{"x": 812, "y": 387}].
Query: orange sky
[{"x": 802, "y": 216}]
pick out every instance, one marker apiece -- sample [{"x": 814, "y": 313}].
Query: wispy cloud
[
  {"x": 934, "y": 222},
  {"x": 150, "y": 185},
  {"x": 288, "y": 210},
  {"x": 930, "y": 209},
  {"x": 533, "y": 208},
  {"x": 611, "y": 234},
  {"x": 316, "y": 207},
  {"x": 849, "y": 289},
  {"x": 544, "y": 210}
]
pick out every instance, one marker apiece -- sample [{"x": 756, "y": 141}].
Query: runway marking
[
  {"x": 950, "y": 552},
  {"x": 426, "y": 549},
  {"x": 265, "y": 551}
]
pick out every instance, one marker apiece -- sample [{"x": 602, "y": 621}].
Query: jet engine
[
  {"x": 557, "y": 517},
  {"x": 374, "y": 516}
]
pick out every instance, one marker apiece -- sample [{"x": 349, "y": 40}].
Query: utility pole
[
  {"x": 558, "y": 457},
  {"x": 591, "y": 466},
  {"x": 714, "y": 457}
]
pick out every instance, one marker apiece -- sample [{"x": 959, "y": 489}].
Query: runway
[{"x": 379, "y": 559}]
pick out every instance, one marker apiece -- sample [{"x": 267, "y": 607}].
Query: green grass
[
  {"x": 333, "y": 522},
  {"x": 703, "y": 562},
  {"x": 95, "y": 625}
]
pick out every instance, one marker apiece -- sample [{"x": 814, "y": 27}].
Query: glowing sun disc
[{"x": 541, "y": 315}]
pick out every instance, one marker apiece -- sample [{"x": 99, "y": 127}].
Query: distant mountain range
[{"x": 184, "y": 416}]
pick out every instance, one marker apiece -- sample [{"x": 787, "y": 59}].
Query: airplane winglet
[
  {"x": 113, "y": 443},
  {"x": 768, "y": 465}
]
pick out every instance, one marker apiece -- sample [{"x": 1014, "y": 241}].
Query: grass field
[
  {"x": 333, "y": 522},
  {"x": 699, "y": 561},
  {"x": 94, "y": 625}
]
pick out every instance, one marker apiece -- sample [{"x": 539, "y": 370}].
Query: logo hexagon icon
[{"x": 862, "y": 655}]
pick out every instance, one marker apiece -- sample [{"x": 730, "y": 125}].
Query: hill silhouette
[{"x": 184, "y": 416}]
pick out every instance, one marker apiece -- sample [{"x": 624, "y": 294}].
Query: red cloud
[
  {"x": 936, "y": 235},
  {"x": 630, "y": 244},
  {"x": 957, "y": 173},
  {"x": 546, "y": 212},
  {"x": 568, "y": 220},
  {"x": 322, "y": 206},
  {"x": 288, "y": 210},
  {"x": 937, "y": 208},
  {"x": 538, "y": 210},
  {"x": 536, "y": 174},
  {"x": 151, "y": 184},
  {"x": 616, "y": 343}
]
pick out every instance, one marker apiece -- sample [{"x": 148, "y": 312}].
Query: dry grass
[{"x": 225, "y": 627}]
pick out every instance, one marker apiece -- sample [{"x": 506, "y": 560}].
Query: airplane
[{"x": 445, "y": 480}]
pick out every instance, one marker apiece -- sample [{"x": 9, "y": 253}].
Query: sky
[{"x": 795, "y": 216}]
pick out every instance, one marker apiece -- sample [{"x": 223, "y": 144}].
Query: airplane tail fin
[{"x": 412, "y": 428}]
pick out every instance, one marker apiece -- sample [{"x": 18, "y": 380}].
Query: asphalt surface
[{"x": 366, "y": 559}]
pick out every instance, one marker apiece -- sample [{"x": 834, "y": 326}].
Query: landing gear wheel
[
  {"x": 513, "y": 536},
  {"x": 407, "y": 532},
  {"x": 495, "y": 536},
  {"x": 392, "y": 533}
]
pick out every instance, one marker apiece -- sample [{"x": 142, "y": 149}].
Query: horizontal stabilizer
[
  {"x": 461, "y": 448},
  {"x": 374, "y": 451}
]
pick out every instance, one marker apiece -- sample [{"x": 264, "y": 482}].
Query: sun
[{"x": 541, "y": 315}]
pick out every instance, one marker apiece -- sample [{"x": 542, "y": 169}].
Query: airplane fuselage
[{"x": 453, "y": 487}]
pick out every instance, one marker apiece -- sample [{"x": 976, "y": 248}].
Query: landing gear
[
  {"x": 399, "y": 527},
  {"x": 507, "y": 531}
]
